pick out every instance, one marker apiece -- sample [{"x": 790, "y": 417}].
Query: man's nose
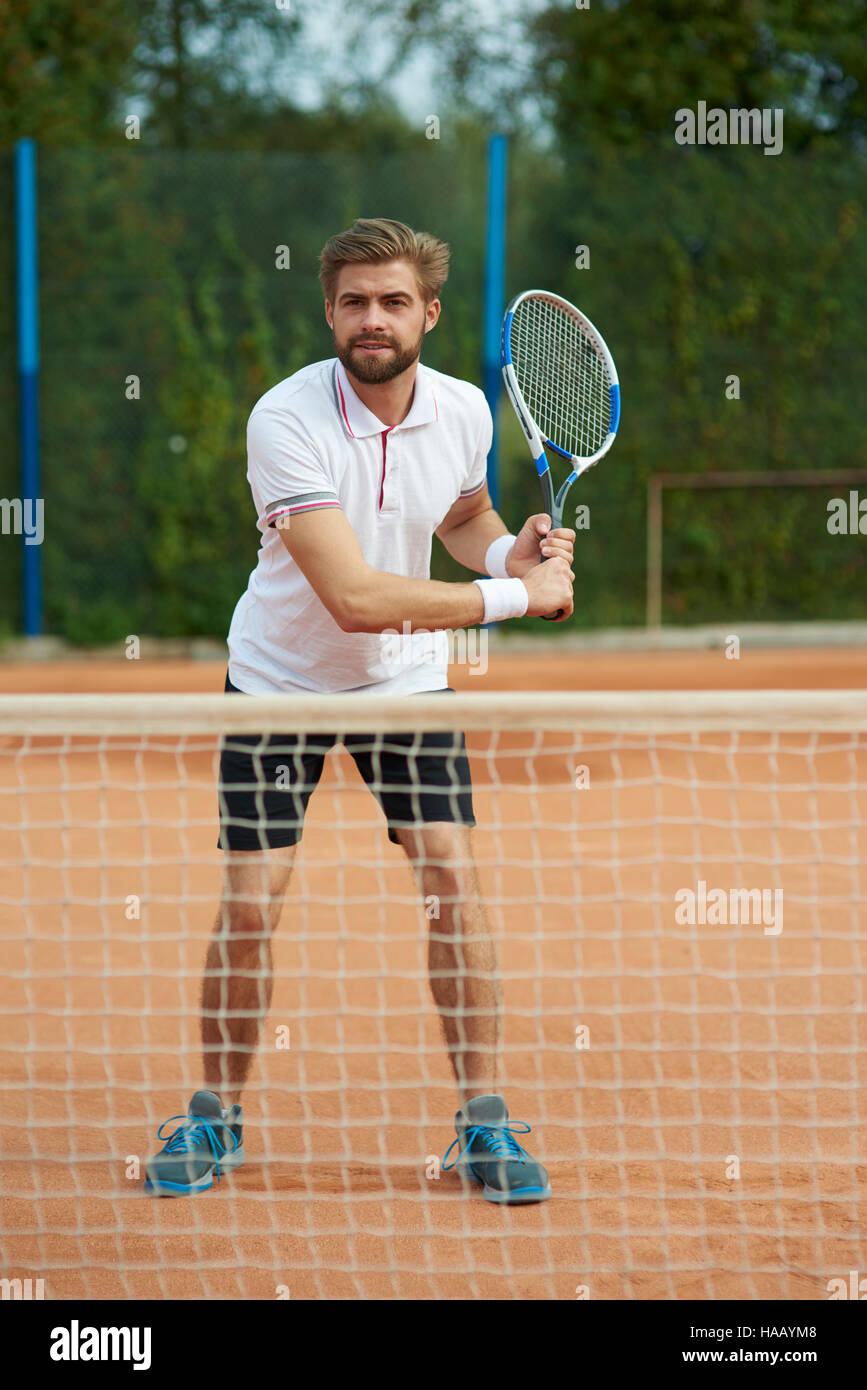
[{"x": 374, "y": 320}]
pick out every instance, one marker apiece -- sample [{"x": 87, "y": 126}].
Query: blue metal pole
[
  {"x": 28, "y": 372},
  {"x": 495, "y": 282}
]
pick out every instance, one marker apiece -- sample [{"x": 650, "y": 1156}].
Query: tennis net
[{"x": 676, "y": 887}]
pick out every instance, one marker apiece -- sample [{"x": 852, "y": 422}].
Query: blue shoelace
[
  {"x": 497, "y": 1139},
  {"x": 187, "y": 1137}
]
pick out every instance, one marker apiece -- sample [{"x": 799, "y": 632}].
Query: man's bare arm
[
  {"x": 469, "y": 527},
  {"x": 362, "y": 599}
]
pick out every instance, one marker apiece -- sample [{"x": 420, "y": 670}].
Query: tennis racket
[{"x": 563, "y": 386}]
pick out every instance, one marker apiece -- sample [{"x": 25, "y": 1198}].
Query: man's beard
[{"x": 384, "y": 366}]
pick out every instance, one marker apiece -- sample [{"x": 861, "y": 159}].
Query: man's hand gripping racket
[{"x": 563, "y": 386}]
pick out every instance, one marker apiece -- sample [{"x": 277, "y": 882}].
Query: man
[{"x": 354, "y": 464}]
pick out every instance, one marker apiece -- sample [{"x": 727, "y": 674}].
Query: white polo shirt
[{"x": 313, "y": 444}]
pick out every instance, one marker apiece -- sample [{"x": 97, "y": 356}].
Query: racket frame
[{"x": 554, "y": 505}]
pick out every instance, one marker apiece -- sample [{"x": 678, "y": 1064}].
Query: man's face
[{"x": 379, "y": 319}]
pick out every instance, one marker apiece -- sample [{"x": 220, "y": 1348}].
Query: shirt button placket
[{"x": 391, "y": 489}]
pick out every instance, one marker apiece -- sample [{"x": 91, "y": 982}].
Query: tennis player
[{"x": 355, "y": 463}]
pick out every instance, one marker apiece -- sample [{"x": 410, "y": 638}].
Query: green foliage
[
  {"x": 158, "y": 262},
  {"x": 616, "y": 72},
  {"x": 162, "y": 267},
  {"x": 10, "y": 546},
  {"x": 703, "y": 265},
  {"x": 60, "y": 66}
]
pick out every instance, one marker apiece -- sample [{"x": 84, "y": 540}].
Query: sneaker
[
  {"x": 208, "y": 1143},
  {"x": 489, "y": 1155}
]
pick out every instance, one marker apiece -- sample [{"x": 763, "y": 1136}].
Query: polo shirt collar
[{"x": 361, "y": 422}]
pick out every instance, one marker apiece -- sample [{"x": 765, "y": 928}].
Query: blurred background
[{"x": 256, "y": 125}]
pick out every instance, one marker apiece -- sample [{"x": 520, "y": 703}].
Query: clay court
[{"x": 707, "y": 1044}]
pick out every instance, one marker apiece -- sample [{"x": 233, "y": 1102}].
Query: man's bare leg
[
  {"x": 238, "y": 981},
  {"x": 462, "y": 958}
]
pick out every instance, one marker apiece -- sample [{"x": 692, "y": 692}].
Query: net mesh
[
  {"x": 676, "y": 889},
  {"x": 562, "y": 375}
]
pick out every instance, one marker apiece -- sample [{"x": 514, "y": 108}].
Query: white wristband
[
  {"x": 495, "y": 557},
  {"x": 504, "y": 598}
]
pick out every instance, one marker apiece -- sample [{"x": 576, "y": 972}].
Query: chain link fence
[{"x": 730, "y": 286}]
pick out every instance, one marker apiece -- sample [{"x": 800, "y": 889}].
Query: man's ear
[
  {"x": 430, "y": 320},
  {"x": 329, "y": 313}
]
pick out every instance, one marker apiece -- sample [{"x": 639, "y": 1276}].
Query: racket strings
[{"x": 562, "y": 377}]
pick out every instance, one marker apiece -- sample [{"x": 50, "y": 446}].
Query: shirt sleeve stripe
[
  {"x": 292, "y": 506},
  {"x": 473, "y": 490}
]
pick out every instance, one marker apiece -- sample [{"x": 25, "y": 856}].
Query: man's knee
[
  {"x": 246, "y": 921},
  {"x": 441, "y": 855},
  {"x": 253, "y": 892}
]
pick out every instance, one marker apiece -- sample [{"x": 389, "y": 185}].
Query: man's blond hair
[{"x": 378, "y": 239}]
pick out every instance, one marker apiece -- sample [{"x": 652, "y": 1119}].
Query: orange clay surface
[{"x": 708, "y": 1142}]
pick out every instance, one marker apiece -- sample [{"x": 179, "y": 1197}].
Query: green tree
[
  {"x": 616, "y": 72},
  {"x": 61, "y": 64},
  {"x": 205, "y": 65}
]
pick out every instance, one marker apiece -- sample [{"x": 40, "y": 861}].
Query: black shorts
[{"x": 265, "y": 783}]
